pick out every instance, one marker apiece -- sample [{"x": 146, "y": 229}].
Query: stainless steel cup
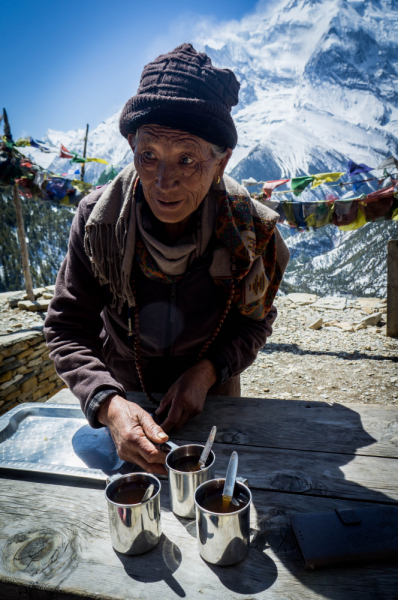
[
  {"x": 223, "y": 539},
  {"x": 135, "y": 528},
  {"x": 183, "y": 485}
]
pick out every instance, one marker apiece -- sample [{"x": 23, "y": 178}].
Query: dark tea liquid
[
  {"x": 187, "y": 464},
  {"x": 130, "y": 493},
  {"x": 214, "y": 502}
]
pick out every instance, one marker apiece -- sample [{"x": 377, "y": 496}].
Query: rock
[
  {"x": 14, "y": 299},
  {"x": 330, "y": 323},
  {"x": 368, "y": 302},
  {"x": 373, "y": 319},
  {"x": 331, "y": 302},
  {"x": 47, "y": 295},
  {"x": 41, "y": 304},
  {"x": 37, "y": 292},
  {"x": 316, "y": 324},
  {"x": 50, "y": 289},
  {"x": 302, "y": 299},
  {"x": 345, "y": 326}
]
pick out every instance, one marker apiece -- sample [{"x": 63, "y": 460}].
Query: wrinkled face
[{"x": 176, "y": 170}]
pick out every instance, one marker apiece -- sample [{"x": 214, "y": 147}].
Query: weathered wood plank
[
  {"x": 295, "y": 424},
  {"x": 317, "y": 473},
  {"x": 313, "y": 473},
  {"x": 76, "y": 556},
  {"x": 345, "y": 428}
]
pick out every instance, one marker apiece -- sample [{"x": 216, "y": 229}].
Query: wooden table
[{"x": 298, "y": 457}]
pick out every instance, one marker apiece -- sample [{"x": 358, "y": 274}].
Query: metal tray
[{"x": 56, "y": 439}]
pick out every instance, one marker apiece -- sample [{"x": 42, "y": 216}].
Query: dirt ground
[{"x": 329, "y": 364}]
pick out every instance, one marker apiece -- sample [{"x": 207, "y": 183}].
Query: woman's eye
[
  {"x": 149, "y": 155},
  {"x": 186, "y": 160}
]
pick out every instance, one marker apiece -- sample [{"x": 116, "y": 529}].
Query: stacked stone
[{"x": 27, "y": 373}]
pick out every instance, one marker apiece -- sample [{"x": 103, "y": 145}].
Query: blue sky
[{"x": 68, "y": 63}]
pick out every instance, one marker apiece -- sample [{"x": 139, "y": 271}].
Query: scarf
[{"x": 244, "y": 252}]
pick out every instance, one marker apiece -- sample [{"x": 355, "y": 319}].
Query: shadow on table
[
  {"x": 96, "y": 448},
  {"x": 253, "y": 575},
  {"x": 334, "y": 583},
  {"x": 159, "y": 565}
]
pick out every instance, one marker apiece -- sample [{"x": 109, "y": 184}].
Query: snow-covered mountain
[{"x": 319, "y": 85}]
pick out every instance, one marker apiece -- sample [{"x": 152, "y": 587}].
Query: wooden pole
[
  {"x": 23, "y": 245},
  {"x": 84, "y": 155},
  {"x": 20, "y": 224},
  {"x": 392, "y": 288}
]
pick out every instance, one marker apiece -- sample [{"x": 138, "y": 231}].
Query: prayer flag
[
  {"x": 300, "y": 183},
  {"x": 320, "y": 178},
  {"x": 64, "y": 153},
  {"x": 250, "y": 181},
  {"x": 98, "y": 160},
  {"x": 390, "y": 162},
  {"x": 357, "y": 223},
  {"x": 354, "y": 169},
  {"x": 269, "y": 186},
  {"x": 107, "y": 174}
]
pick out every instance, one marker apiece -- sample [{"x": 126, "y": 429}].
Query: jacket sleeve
[
  {"x": 73, "y": 324},
  {"x": 237, "y": 345}
]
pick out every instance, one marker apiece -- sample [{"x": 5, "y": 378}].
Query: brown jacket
[{"x": 88, "y": 339}]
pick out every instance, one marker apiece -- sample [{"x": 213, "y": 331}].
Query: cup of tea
[
  {"x": 135, "y": 527},
  {"x": 185, "y": 475},
  {"x": 223, "y": 531}
]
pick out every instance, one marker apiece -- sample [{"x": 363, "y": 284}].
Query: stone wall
[{"x": 27, "y": 373}]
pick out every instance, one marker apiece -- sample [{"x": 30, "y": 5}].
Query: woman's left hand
[{"x": 188, "y": 394}]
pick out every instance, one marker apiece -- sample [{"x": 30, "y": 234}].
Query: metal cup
[
  {"x": 223, "y": 539},
  {"x": 182, "y": 484},
  {"x": 135, "y": 528}
]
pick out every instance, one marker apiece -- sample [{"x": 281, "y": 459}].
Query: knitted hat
[{"x": 184, "y": 91}]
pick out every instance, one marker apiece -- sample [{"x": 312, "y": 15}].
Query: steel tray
[{"x": 56, "y": 439}]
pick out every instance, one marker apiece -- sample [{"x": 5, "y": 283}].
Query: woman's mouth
[{"x": 168, "y": 205}]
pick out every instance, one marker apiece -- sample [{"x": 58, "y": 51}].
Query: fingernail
[
  {"x": 162, "y": 436},
  {"x": 157, "y": 412}
]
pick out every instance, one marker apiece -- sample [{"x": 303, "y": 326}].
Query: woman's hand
[
  {"x": 188, "y": 394},
  {"x": 133, "y": 430}
]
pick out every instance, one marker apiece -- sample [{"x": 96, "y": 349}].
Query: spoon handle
[
  {"x": 148, "y": 493},
  {"x": 230, "y": 477},
  {"x": 206, "y": 450}
]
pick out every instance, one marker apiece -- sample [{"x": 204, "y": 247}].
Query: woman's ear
[
  {"x": 223, "y": 162},
  {"x": 131, "y": 140}
]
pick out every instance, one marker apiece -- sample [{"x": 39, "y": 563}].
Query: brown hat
[{"x": 184, "y": 91}]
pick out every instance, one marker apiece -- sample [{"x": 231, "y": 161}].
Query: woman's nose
[{"x": 166, "y": 179}]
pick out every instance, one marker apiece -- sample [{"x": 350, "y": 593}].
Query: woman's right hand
[{"x": 133, "y": 430}]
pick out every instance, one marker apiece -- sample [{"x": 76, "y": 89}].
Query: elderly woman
[{"x": 172, "y": 268}]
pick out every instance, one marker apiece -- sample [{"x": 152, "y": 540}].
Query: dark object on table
[{"x": 346, "y": 536}]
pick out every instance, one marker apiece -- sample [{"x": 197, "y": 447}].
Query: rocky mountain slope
[{"x": 319, "y": 85}]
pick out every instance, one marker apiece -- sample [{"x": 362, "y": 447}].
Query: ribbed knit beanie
[{"x": 184, "y": 91}]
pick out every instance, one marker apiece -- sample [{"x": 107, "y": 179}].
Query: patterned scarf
[{"x": 244, "y": 253}]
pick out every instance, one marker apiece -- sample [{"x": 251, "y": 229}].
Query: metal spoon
[
  {"x": 148, "y": 493},
  {"x": 230, "y": 478},
  {"x": 206, "y": 450}
]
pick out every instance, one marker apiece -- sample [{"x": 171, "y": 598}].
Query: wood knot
[{"x": 46, "y": 553}]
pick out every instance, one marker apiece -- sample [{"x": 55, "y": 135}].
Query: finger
[
  {"x": 186, "y": 415},
  {"x": 166, "y": 401},
  {"x": 136, "y": 448},
  {"x": 155, "y": 468},
  {"x": 173, "y": 417},
  {"x": 152, "y": 431}
]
